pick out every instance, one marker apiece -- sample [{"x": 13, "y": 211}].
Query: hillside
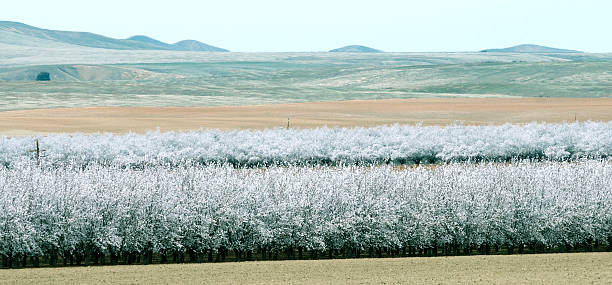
[
  {"x": 14, "y": 33},
  {"x": 531, "y": 49},
  {"x": 186, "y": 45},
  {"x": 192, "y": 45},
  {"x": 151, "y": 41},
  {"x": 80, "y": 72},
  {"x": 355, "y": 48}
]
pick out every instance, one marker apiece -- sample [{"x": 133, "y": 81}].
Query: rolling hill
[
  {"x": 194, "y": 45},
  {"x": 151, "y": 41},
  {"x": 527, "y": 48},
  {"x": 15, "y": 33},
  {"x": 355, "y": 48}
]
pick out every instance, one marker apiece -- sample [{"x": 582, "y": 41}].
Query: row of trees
[
  {"x": 117, "y": 211},
  {"x": 395, "y": 144}
]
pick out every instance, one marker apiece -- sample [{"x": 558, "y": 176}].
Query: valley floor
[
  {"x": 573, "y": 268},
  {"x": 432, "y": 111}
]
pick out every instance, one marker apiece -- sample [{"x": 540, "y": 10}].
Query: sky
[{"x": 320, "y": 25}]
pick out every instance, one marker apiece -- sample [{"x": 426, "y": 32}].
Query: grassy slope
[
  {"x": 265, "y": 80},
  {"x": 575, "y": 268}
]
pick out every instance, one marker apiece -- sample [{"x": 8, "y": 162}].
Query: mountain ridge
[{"x": 20, "y": 33}]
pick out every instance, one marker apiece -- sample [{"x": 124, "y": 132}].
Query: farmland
[
  {"x": 275, "y": 156},
  {"x": 396, "y": 144},
  {"x": 112, "y": 214},
  {"x": 591, "y": 268},
  {"x": 364, "y": 113}
]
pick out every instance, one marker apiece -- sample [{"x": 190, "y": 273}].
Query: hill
[
  {"x": 15, "y": 33},
  {"x": 186, "y": 45},
  {"x": 531, "y": 49},
  {"x": 193, "y": 45},
  {"x": 355, "y": 48},
  {"x": 151, "y": 41}
]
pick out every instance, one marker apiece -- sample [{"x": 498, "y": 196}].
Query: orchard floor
[
  {"x": 572, "y": 268},
  {"x": 430, "y": 111}
]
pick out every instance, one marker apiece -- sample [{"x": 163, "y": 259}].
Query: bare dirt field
[
  {"x": 435, "y": 111},
  {"x": 573, "y": 268}
]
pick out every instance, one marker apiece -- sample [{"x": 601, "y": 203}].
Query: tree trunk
[
  {"x": 53, "y": 259},
  {"x": 145, "y": 260},
  {"x": 467, "y": 250},
  {"x": 114, "y": 258},
  {"x": 238, "y": 255},
  {"x": 35, "y": 261},
  {"x": 86, "y": 258},
  {"x": 588, "y": 245},
  {"x": 193, "y": 257}
]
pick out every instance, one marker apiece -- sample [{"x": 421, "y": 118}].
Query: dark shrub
[{"x": 43, "y": 76}]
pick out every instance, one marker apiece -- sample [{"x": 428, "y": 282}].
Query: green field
[{"x": 162, "y": 78}]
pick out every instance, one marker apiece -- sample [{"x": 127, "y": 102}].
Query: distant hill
[
  {"x": 186, "y": 45},
  {"x": 196, "y": 46},
  {"x": 151, "y": 41},
  {"x": 355, "y": 48},
  {"x": 531, "y": 49},
  {"x": 21, "y": 34}
]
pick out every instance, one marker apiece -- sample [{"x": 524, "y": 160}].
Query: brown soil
[
  {"x": 438, "y": 111},
  {"x": 572, "y": 268}
]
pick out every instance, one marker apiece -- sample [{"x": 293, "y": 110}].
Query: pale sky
[{"x": 320, "y": 25}]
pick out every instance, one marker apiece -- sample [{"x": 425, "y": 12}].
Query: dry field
[
  {"x": 436, "y": 111},
  {"x": 574, "y": 268}
]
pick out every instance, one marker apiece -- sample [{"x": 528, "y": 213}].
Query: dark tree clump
[{"x": 43, "y": 76}]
